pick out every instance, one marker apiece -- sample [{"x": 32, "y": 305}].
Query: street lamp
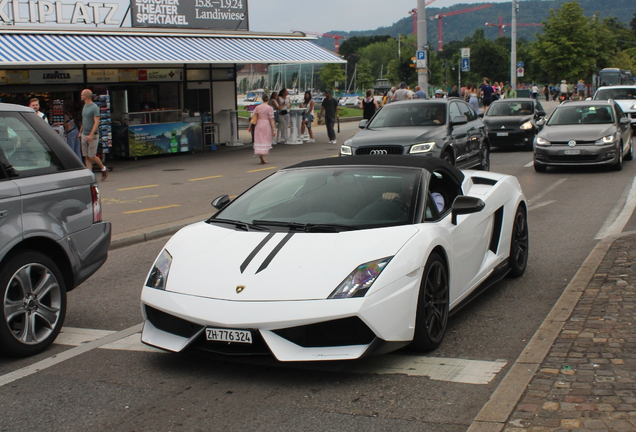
[{"x": 513, "y": 46}]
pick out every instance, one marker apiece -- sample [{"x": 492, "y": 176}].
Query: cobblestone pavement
[{"x": 587, "y": 382}]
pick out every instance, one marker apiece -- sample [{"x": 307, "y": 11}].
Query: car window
[
  {"x": 466, "y": 110},
  {"x": 503, "y": 109},
  {"x": 619, "y": 111},
  {"x": 23, "y": 152},
  {"x": 409, "y": 114},
  {"x": 442, "y": 191},
  {"x": 538, "y": 106},
  {"x": 567, "y": 115},
  {"x": 615, "y": 93},
  {"x": 454, "y": 111}
]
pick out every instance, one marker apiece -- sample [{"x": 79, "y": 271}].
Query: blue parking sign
[
  {"x": 465, "y": 64},
  {"x": 421, "y": 55}
]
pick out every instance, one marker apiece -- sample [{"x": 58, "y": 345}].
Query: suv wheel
[{"x": 33, "y": 304}]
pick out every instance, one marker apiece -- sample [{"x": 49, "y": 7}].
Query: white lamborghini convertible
[{"x": 337, "y": 259}]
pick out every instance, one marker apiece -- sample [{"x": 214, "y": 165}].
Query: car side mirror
[
  {"x": 480, "y": 115},
  {"x": 541, "y": 122},
  {"x": 588, "y": 98},
  {"x": 459, "y": 120},
  {"x": 220, "y": 202},
  {"x": 541, "y": 113},
  {"x": 625, "y": 120},
  {"x": 466, "y": 205},
  {"x": 363, "y": 124}
]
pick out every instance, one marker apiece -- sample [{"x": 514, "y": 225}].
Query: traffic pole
[
  {"x": 513, "y": 47},
  {"x": 422, "y": 45}
]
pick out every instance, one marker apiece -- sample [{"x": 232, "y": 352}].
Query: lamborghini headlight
[
  {"x": 422, "y": 148},
  {"x": 360, "y": 280},
  {"x": 526, "y": 126},
  {"x": 543, "y": 142},
  {"x": 605, "y": 140},
  {"x": 633, "y": 107},
  {"x": 159, "y": 274}
]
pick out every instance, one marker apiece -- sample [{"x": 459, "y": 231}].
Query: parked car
[
  {"x": 445, "y": 128},
  {"x": 52, "y": 237},
  {"x": 624, "y": 95},
  {"x": 584, "y": 133},
  {"x": 336, "y": 259},
  {"x": 513, "y": 122}
]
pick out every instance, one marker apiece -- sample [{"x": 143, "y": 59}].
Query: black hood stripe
[
  {"x": 256, "y": 250},
  {"x": 273, "y": 253}
]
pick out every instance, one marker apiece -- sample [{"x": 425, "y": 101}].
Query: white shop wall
[{"x": 224, "y": 98}]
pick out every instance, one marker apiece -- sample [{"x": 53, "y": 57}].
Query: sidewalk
[{"x": 587, "y": 382}]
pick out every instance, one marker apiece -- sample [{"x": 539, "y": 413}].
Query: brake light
[{"x": 97, "y": 203}]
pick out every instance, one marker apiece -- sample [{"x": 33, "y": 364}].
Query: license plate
[
  {"x": 502, "y": 133},
  {"x": 572, "y": 152},
  {"x": 227, "y": 335}
]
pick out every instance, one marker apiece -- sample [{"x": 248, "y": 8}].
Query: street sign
[
  {"x": 421, "y": 55},
  {"x": 465, "y": 52},
  {"x": 421, "y": 64},
  {"x": 465, "y": 64},
  {"x": 520, "y": 72},
  {"x": 520, "y": 64}
]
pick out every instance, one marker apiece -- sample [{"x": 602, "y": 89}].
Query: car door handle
[{"x": 4, "y": 213}]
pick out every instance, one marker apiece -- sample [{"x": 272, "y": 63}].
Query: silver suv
[
  {"x": 624, "y": 95},
  {"x": 52, "y": 237}
]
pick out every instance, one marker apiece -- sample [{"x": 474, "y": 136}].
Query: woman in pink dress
[{"x": 264, "y": 129}]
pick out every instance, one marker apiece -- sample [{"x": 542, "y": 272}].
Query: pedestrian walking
[
  {"x": 369, "y": 105},
  {"x": 419, "y": 94},
  {"x": 486, "y": 92},
  {"x": 308, "y": 116},
  {"x": 454, "y": 92},
  {"x": 273, "y": 102},
  {"x": 89, "y": 133},
  {"x": 284, "y": 104},
  {"x": 329, "y": 111},
  {"x": 546, "y": 93},
  {"x": 389, "y": 95},
  {"x": 535, "y": 92},
  {"x": 473, "y": 100},
  {"x": 264, "y": 129},
  {"x": 509, "y": 92},
  {"x": 402, "y": 94},
  {"x": 35, "y": 104},
  {"x": 580, "y": 89},
  {"x": 71, "y": 133}
]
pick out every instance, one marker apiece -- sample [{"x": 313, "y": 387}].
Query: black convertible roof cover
[{"x": 430, "y": 164}]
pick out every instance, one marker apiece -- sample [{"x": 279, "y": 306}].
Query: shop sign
[
  {"x": 102, "y": 75},
  {"x": 3, "y": 77},
  {"x": 59, "y": 12},
  {"x": 17, "y": 77},
  {"x": 160, "y": 75},
  {"x": 56, "y": 76},
  {"x": 128, "y": 75},
  {"x": 199, "y": 14},
  {"x": 148, "y": 140}
]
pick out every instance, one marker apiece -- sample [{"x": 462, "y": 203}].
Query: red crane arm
[{"x": 457, "y": 12}]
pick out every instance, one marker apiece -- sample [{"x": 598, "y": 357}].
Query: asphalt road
[{"x": 130, "y": 388}]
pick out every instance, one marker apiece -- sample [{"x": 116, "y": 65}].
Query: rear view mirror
[
  {"x": 459, "y": 120},
  {"x": 220, "y": 202},
  {"x": 466, "y": 205},
  {"x": 541, "y": 122},
  {"x": 363, "y": 124},
  {"x": 541, "y": 113},
  {"x": 625, "y": 120}
]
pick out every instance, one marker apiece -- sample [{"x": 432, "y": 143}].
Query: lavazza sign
[{"x": 194, "y": 14}]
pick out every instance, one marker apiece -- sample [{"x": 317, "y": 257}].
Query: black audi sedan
[
  {"x": 446, "y": 128},
  {"x": 513, "y": 122},
  {"x": 584, "y": 133}
]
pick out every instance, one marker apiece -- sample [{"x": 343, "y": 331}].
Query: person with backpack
[{"x": 486, "y": 93}]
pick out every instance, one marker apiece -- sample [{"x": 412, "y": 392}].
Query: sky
[{"x": 281, "y": 16}]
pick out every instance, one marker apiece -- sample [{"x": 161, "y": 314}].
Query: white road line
[
  {"x": 436, "y": 368},
  {"x": 528, "y": 165},
  {"x": 614, "y": 225},
  {"x": 541, "y": 204},
  {"x": 547, "y": 190}
]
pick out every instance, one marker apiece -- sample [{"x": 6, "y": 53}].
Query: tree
[
  {"x": 566, "y": 48},
  {"x": 332, "y": 73},
  {"x": 379, "y": 54},
  {"x": 365, "y": 79}
]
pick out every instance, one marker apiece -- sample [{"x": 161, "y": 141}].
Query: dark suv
[
  {"x": 52, "y": 237},
  {"x": 446, "y": 128}
]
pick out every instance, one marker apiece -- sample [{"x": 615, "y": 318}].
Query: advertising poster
[
  {"x": 195, "y": 14},
  {"x": 102, "y": 75},
  {"x": 17, "y": 77},
  {"x": 128, "y": 75},
  {"x": 163, "y": 138},
  {"x": 56, "y": 76}
]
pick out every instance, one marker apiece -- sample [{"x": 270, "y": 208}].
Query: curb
[{"x": 496, "y": 412}]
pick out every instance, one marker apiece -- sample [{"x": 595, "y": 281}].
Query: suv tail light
[{"x": 97, "y": 203}]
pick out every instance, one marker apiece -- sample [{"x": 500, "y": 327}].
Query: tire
[
  {"x": 539, "y": 167},
  {"x": 432, "y": 306},
  {"x": 485, "y": 159},
  {"x": 630, "y": 156},
  {"x": 33, "y": 293},
  {"x": 448, "y": 157},
  {"x": 519, "y": 244},
  {"x": 618, "y": 166}
]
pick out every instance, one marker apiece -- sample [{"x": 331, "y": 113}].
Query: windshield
[
  {"x": 510, "y": 109},
  {"x": 610, "y": 78},
  {"x": 568, "y": 115},
  {"x": 349, "y": 197},
  {"x": 410, "y": 114},
  {"x": 616, "y": 93}
]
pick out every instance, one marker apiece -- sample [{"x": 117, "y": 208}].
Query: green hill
[{"x": 457, "y": 27}]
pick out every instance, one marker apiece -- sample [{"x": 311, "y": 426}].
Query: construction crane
[
  {"x": 438, "y": 17},
  {"x": 501, "y": 25},
  {"x": 329, "y": 35},
  {"x": 414, "y": 13}
]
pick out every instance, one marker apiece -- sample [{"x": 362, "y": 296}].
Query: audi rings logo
[{"x": 378, "y": 152}]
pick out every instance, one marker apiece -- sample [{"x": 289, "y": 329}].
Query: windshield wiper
[
  {"x": 306, "y": 227},
  {"x": 238, "y": 224}
]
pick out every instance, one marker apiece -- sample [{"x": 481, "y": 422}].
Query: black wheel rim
[
  {"x": 436, "y": 302},
  {"x": 520, "y": 242}
]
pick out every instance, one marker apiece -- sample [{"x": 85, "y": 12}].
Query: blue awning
[{"x": 34, "y": 49}]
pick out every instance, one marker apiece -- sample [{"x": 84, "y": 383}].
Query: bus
[{"x": 613, "y": 76}]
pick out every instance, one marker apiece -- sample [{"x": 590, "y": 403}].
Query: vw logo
[
  {"x": 378, "y": 152},
  {"x": 572, "y": 143}
]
